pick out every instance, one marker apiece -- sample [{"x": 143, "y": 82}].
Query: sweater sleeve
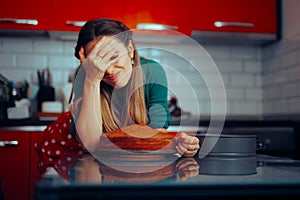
[{"x": 156, "y": 94}]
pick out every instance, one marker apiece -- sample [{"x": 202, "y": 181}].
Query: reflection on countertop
[
  {"x": 75, "y": 176},
  {"x": 87, "y": 168}
]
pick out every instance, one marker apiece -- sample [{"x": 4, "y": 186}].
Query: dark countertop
[
  {"x": 190, "y": 124},
  {"x": 171, "y": 177},
  {"x": 24, "y": 122}
]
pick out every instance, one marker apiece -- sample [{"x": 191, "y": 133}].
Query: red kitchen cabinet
[
  {"x": 34, "y": 175},
  {"x": 166, "y": 12},
  {"x": 234, "y": 15},
  {"x": 14, "y": 156},
  {"x": 56, "y": 15},
  {"x": 255, "y": 16},
  {"x": 69, "y": 15},
  {"x": 24, "y": 15}
]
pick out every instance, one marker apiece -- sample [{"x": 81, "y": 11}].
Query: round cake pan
[
  {"x": 227, "y": 166},
  {"x": 227, "y": 145}
]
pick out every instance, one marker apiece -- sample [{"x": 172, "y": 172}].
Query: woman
[{"x": 113, "y": 88}]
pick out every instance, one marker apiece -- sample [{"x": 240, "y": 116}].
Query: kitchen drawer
[{"x": 14, "y": 156}]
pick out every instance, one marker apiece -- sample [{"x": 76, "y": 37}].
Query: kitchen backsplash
[
  {"x": 281, "y": 78},
  {"x": 257, "y": 80},
  {"x": 240, "y": 68}
]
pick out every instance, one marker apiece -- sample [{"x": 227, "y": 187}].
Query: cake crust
[{"x": 137, "y": 138}]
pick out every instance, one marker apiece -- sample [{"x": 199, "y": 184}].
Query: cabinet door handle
[
  {"x": 12, "y": 143},
  {"x": 233, "y": 24},
  {"x": 75, "y": 23},
  {"x": 20, "y": 21},
  {"x": 151, "y": 26}
]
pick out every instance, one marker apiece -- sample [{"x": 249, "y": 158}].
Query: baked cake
[{"x": 137, "y": 138}]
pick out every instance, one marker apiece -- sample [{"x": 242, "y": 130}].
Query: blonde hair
[{"x": 136, "y": 108}]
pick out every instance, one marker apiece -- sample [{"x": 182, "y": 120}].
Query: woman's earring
[{"x": 132, "y": 61}]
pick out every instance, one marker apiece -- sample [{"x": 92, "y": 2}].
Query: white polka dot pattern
[{"x": 57, "y": 142}]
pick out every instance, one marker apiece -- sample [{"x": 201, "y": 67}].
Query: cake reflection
[{"x": 88, "y": 169}]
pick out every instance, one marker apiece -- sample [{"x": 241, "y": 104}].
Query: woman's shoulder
[
  {"x": 145, "y": 60},
  {"x": 151, "y": 66}
]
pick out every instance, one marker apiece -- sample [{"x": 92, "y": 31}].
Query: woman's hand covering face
[{"x": 100, "y": 55}]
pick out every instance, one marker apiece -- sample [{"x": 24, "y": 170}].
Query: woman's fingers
[
  {"x": 184, "y": 162},
  {"x": 187, "y": 145},
  {"x": 99, "y": 44},
  {"x": 187, "y": 167},
  {"x": 184, "y": 151},
  {"x": 190, "y": 142},
  {"x": 103, "y": 55},
  {"x": 183, "y": 137},
  {"x": 107, "y": 48}
]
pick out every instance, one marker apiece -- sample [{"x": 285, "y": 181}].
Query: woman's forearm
[{"x": 89, "y": 121}]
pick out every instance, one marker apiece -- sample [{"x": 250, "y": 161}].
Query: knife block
[{"x": 45, "y": 93}]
